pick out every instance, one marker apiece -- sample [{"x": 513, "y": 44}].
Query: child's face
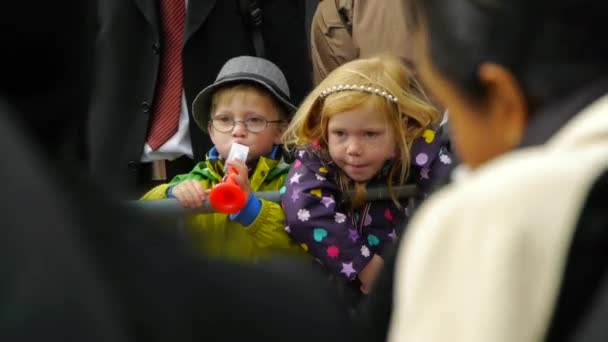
[
  {"x": 360, "y": 141},
  {"x": 242, "y": 107}
]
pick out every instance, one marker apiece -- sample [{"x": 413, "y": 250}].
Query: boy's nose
[{"x": 239, "y": 129}]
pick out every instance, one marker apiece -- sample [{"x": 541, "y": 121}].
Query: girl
[{"x": 360, "y": 127}]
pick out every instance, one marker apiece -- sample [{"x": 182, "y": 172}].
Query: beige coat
[
  {"x": 365, "y": 28},
  {"x": 484, "y": 257}
]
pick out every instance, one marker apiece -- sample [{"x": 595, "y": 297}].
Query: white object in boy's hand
[{"x": 237, "y": 152}]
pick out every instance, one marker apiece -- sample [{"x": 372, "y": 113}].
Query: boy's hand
[
  {"x": 190, "y": 193},
  {"x": 242, "y": 176}
]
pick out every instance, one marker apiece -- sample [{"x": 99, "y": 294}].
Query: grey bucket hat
[{"x": 244, "y": 69}]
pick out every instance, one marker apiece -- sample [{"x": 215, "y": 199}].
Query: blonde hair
[
  {"x": 409, "y": 116},
  {"x": 227, "y": 93}
]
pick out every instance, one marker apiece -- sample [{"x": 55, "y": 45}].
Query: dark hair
[{"x": 551, "y": 47}]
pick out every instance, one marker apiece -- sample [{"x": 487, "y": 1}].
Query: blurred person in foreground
[
  {"x": 75, "y": 266},
  {"x": 509, "y": 251}
]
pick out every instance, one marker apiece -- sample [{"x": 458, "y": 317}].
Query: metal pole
[{"x": 171, "y": 207}]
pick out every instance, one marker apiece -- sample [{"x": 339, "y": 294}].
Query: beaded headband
[{"x": 343, "y": 87}]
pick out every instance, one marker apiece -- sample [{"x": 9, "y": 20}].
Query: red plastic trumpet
[{"x": 227, "y": 197}]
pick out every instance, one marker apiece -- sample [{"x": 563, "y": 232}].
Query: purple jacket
[{"x": 345, "y": 240}]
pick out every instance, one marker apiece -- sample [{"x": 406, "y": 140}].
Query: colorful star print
[
  {"x": 348, "y": 269},
  {"x": 295, "y": 178},
  {"x": 353, "y": 235},
  {"x": 327, "y": 201},
  {"x": 295, "y": 194}
]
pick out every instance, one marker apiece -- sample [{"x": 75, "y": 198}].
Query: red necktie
[{"x": 167, "y": 103}]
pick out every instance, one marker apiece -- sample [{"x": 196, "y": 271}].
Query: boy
[{"x": 248, "y": 104}]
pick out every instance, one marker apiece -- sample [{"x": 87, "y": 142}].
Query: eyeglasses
[{"x": 253, "y": 125}]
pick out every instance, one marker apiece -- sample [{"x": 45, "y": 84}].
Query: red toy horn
[{"x": 227, "y": 197}]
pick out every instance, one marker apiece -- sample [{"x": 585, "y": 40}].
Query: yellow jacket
[{"x": 217, "y": 235}]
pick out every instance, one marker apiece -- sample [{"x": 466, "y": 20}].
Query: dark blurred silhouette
[
  {"x": 520, "y": 250},
  {"x": 75, "y": 265}
]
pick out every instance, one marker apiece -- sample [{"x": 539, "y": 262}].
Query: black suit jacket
[{"x": 127, "y": 61}]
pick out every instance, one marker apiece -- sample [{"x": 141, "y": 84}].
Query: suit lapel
[
  {"x": 149, "y": 9},
  {"x": 198, "y": 11}
]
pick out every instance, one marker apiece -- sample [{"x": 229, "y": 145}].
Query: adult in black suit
[
  {"x": 128, "y": 46},
  {"x": 76, "y": 266}
]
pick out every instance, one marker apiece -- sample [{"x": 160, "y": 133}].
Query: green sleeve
[
  {"x": 156, "y": 193},
  {"x": 200, "y": 173}
]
